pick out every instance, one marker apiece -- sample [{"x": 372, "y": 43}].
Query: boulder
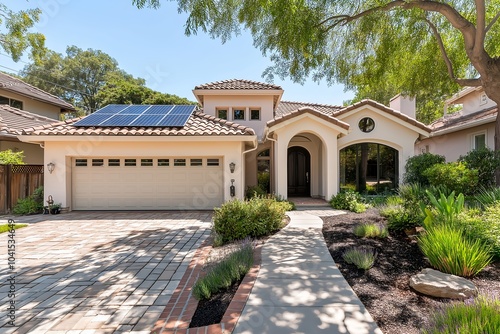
[{"x": 437, "y": 284}]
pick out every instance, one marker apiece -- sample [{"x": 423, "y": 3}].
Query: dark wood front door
[{"x": 299, "y": 172}]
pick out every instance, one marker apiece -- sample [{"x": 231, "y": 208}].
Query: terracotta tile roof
[
  {"x": 458, "y": 119},
  {"x": 234, "y": 84},
  {"x": 388, "y": 110},
  {"x": 295, "y": 113},
  {"x": 199, "y": 124},
  {"x": 13, "y": 120},
  {"x": 15, "y": 85},
  {"x": 286, "y": 107}
]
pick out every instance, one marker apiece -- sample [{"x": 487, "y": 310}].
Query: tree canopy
[
  {"x": 15, "y": 35},
  {"x": 91, "y": 79}
]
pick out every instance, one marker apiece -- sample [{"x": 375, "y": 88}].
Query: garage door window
[
  {"x": 81, "y": 163},
  {"x": 147, "y": 162},
  {"x": 163, "y": 162},
  {"x": 130, "y": 162},
  {"x": 212, "y": 162},
  {"x": 97, "y": 162},
  {"x": 196, "y": 162},
  {"x": 114, "y": 162},
  {"x": 179, "y": 162}
]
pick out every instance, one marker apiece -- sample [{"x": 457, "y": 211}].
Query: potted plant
[{"x": 53, "y": 209}]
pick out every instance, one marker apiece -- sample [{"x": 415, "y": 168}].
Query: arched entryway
[{"x": 299, "y": 172}]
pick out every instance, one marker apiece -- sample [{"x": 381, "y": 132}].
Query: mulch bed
[{"x": 384, "y": 289}]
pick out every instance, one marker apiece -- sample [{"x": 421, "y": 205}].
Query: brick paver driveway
[{"x": 95, "y": 272}]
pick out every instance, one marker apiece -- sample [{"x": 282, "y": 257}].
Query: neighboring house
[
  {"x": 22, "y": 106},
  {"x": 470, "y": 128},
  {"x": 243, "y": 136}
]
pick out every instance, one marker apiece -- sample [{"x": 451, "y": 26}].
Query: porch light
[
  {"x": 50, "y": 167},
  {"x": 232, "y": 165}
]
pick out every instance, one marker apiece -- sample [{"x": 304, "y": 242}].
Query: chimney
[{"x": 405, "y": 104}]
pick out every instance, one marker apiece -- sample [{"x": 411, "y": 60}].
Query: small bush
[
  {"x": 479, "y": 316},
  {"x": 404, "y": 212},
  {"x": 444, "y": 209},
  {"x": 455, "y": 176},
  {"x": 225, "y": 273},
  {"x": 236, "y": 220},
  {"x": 416, "y": 165},
  {"x": 362, "y": 258},
  {"x": 485, "y": 161},
  {"x": 348, "y": 200},
  {"x": 370, "y": 231},
  {"x": 449, "y": 251},
  {"x": 255, "y": 191}
]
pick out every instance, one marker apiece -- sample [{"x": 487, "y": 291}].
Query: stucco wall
[
  {"x": 265, "y": 103},
  {"x": 473, "y": 102},
  {"x": 33, "y": 153},
  {"x": 453, "y": 145},
  {"x": 58, "y": 184},
  {"x": 35, "y": 106}
]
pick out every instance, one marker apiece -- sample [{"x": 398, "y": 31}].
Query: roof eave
[{"x": 464, "y": 126}]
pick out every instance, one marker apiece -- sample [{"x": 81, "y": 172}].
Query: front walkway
[
  {"x": 299, "y": 288},
  {"x": 102, "y": 272}
]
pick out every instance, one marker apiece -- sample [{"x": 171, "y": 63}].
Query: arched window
[{"x": 264, "y": 170}]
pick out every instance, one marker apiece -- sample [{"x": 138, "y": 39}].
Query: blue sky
[{"x": 151, "y": 44}]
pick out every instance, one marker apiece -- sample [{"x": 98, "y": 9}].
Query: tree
[
  {"x": 8, "y": 157},
  {"x": 15, "y": 37},
  {"x": 437, "y": 44}
]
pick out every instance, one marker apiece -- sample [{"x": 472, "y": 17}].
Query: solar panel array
[{"x": 139, "y": 115}]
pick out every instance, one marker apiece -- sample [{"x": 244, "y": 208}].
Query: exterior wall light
[
  {"x": 50, "y": 167},
  {"x": 232, "y": 165}
]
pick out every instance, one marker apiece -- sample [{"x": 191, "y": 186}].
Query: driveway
[{"x": 98, "y": 272}]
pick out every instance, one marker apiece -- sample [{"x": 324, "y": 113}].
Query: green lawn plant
[
  {"x": 225, "y": 273},
  {"x": 362, "y": 258},
  {"x": 5, "y": 227},
  {"x": 478, "y": 316},
  {"x": 370, "y": 230},
  {"x": 450, "y": 251}
]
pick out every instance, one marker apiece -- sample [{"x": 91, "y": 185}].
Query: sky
[{"x": 151, "y": 44}]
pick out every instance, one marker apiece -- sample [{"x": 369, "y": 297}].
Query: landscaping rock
[{"x": 437, "y": 284}]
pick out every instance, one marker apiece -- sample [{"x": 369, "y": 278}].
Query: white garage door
[{"x": 175, "y": 183}]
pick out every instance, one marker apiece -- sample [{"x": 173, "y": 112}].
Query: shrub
[
  {"x": 255, "y": 191},
  {"x": 449, "y": 251},
  {"x": 485, "y": 161},
  {"x": 405, "y": 212},
  {"x": 348, "y": 200},
  {"x": 370, "y": 231},
  {"x": 454, "y": 175},
  {"x": 30, "y": 205},
  {"x": 225, "y": 273},
  {"x": 445, "y": 209},
  {"x": 257, "y": 217},
  {"x": 8, "y": 157},
  {"x": 362, "y": 258},
  {"x": 479, "y": 316},
  {"x": 416, "y": 165}
]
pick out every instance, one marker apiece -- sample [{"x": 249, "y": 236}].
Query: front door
[{"x": 299, "y": 172}]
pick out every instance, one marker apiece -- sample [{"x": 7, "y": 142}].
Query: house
[
  {"x": 472, "y": 127},
  {"x": 21, "y": 106},
  {"x": 243, "y": 135}
]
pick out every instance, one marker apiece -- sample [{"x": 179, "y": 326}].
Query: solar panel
[{"x": 139, "y": 115}]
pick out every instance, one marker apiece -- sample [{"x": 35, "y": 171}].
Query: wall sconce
[
  {"x": 50, "y": 167},
  {"x": 232, "y": 165}
]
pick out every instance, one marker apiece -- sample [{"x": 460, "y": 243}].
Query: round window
[{"x": 366, "y": 124}]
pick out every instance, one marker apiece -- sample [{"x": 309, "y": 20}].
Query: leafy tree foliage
[
  {"x": 8, "y": 157},
  {"x": 15, "y": 35}
]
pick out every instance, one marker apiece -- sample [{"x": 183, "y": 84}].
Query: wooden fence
[{"x": 18, "y": 181}]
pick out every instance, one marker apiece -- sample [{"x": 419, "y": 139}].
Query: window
[
  {"x": 97, "y": 162},
  {"x": 212, "y": 162},
  {"x": 479, "y": 141},
  {"x": 163, "y": 162},
  {"x": 114, "y": 162},
  {"x": 147, "y": 162},
  {"x": 81, "y": 162},
  {"x": 196, "y": 162},
  {"x": 130, "y": 162},
  {"x": 179, "y": 162},
  {"x": 11, "y": 102},
  {"x": 238, "y": 114},
  {"x": 366, "y": 124},
  {"x": 483, "y": 99},
  {"x": 255, "y": 114},
  {"x": 222, "y": 113}
]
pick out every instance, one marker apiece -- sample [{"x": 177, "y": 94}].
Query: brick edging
[{"x": 180, "y": 309}]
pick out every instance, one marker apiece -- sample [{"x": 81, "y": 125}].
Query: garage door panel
[{"x": 147, "y": 187}]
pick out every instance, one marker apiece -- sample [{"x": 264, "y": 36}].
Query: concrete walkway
[{"x": 299, "y": 288}]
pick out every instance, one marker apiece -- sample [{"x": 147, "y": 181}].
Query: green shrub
[
  {"x": 8, "y": 157},
  {"x": 225, "y": 273},
  {"x": 444, "y": 210},
  {"x": 479, "y": 316},
  {"x": 416, "y": 165},
  {"x": 449, "y": 251},
  {"x": 362, "y": 258},
  {"x": 485, "y": 161},
  {"x": 370, "y": 231},
  {"x": 256, "y": 217},
  {"x": 454, "y": 175},
  {"x": 255, "y": 191},
  {"x": 348, "y": 200},
  {"x": 30, "y": 205},
  {"x": 405, "y": 212}
]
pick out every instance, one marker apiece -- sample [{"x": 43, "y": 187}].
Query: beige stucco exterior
[{"x": 35, "y": 106}]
